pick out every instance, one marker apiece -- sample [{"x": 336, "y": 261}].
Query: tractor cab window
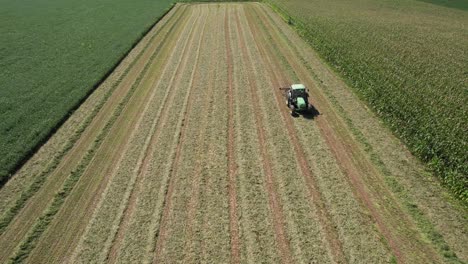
[{"x": 299, "y": 93}]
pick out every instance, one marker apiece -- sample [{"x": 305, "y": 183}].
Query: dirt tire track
[
  {"x": 351, "y": 167},
  {"x": 162, "y": 230},
  {"x": 325, "y": 219},
  {"x": 273, "y": 197},
  {"x": 232, "y": 167}
]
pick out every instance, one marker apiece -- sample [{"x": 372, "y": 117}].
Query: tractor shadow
[{"x": 309, "y": 114}]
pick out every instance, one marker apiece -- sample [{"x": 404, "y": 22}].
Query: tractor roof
[{"x": 298, "y": 86}]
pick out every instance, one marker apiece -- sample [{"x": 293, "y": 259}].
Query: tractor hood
[{"x": 301, "y": 104}]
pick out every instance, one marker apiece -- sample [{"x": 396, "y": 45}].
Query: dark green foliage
[
  {"x": 408, "y": 61},
  {"x": 52, "y": 54}
]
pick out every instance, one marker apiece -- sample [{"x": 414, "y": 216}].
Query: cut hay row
[
  {"x": 101, "y": 123},
  {"x": 178, "y": 180},
  {"x": 256, "y": 228}
]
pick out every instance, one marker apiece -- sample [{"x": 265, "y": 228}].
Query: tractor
[{"x": 297, "y": 98}]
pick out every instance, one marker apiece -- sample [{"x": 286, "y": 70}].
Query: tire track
[
  {"x": 275, "y": 206},
  {"x": 144, "y": 158},
  {"x": 316, "y": 198},
  {"x": 162, "y": 230},
  {"x": 232, "y": 167}
]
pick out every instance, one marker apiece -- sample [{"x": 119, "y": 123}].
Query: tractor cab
[{"x": 298, "y": 98}]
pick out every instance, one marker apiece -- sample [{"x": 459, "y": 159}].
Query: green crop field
[
  {"x": 52, "y": 54},
  {"x": 408, "y": 60}
]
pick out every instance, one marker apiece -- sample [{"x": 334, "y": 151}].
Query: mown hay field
[
  {"x": 187, "y": 153},
  {"x": 408, "y": 61}
]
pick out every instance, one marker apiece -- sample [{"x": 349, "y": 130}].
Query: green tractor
[{"x": 297, "y": 98}]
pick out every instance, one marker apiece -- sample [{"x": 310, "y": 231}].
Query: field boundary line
[
  {"x": 274, "y": 201},
  {"x": 316, "y": 198},
  {"x": 29, "y": 242},
  {"x": 162, "y": 231},
  {"x": 232, "y": 166}
]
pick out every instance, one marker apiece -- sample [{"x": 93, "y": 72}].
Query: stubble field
[{"x": 187, "y": 153}]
